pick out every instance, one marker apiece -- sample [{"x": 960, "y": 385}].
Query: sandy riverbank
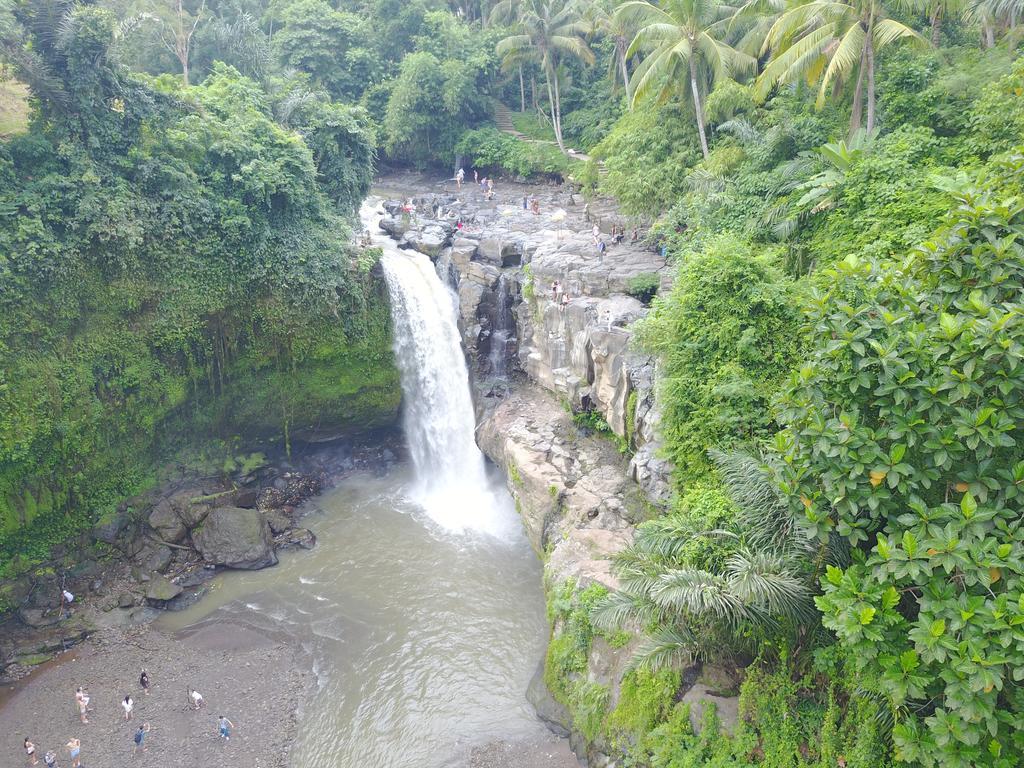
[{"x": 255, "y": 680}]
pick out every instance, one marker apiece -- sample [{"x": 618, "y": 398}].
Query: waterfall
[
  {"x": 502, "y": 325},
  {"x": 452, "y": 483}
]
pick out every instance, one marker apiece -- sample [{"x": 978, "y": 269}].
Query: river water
[
  {"x": 421, "y": 606},
  {"x": 423, "y": 639}
]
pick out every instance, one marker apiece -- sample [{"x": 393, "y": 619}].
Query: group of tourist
[
  {"x": 82, "y": 699},
  {"x": 559, "y": 295}
]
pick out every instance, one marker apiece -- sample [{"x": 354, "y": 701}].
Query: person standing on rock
[
  {"x": 74, "y": 748},
  {"x": 144, "y": 682},
  {"x": 30, "y": 750},
  {"x": 66, "y": 599},
  {"x": 459, "y": 176},
  {"x": 128, "y": 705},
  {"x": 565, "y": 302},
  {"x": 224, "y": 726}
]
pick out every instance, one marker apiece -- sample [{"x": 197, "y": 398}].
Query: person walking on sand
[
  {"x": 144, "y": 682},
  {"x": 128, "y": 705},
  {"x": 82, "y": 700},
  {"x": 74, "y": 748},
  {"x": 140, "y": 739},
  {"x": 197, "y": 699},
  {"x": 30, "y": 750},
  {"x": 225, "y": 726}
]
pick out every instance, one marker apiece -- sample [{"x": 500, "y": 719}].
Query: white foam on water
[{"x": 451, "y": 482}]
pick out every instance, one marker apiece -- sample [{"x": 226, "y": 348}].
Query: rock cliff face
[
  {"x": 535, "y": 359},
  {"x": 503, "y": 262}
]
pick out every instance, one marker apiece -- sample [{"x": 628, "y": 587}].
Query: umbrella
[
  {"x": 558, "y": 217},
  {"x": 507, "y": 212}
]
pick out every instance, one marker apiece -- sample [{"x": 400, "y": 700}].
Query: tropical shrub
[{"x": 903, "y": 435}]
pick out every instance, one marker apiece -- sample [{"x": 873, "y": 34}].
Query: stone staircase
[{"x": 503, "y": 121}]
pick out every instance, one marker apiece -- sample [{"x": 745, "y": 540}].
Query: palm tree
[
  {"x": 547, "y": 32},
  {"x": 683, "y": 41},
  {"x": 607, "y": 22},
  {"x": 830, "y": 40},
  {"x": 768, "y": 579}
]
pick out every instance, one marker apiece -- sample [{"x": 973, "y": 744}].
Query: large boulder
[
  {"x": 500, "y": 253},
  {"x": 430, "y": 240},
  {"x": 236, "y": 538},
  {"x": 161, "y": 589},
  {"x": 165, "y": 521}
]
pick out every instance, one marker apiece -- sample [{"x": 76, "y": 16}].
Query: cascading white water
[{"x": 452, "y": 483}]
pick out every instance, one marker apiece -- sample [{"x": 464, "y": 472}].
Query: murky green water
[{"x": 423, "y": 640}]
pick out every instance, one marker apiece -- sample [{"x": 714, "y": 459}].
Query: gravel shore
[{"x": 255, "y": 680}]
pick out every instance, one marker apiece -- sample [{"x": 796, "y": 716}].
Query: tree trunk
[
  {"x": 556, "y": 122},
  {"x": 869, "y": 45},
  {"x": 522, "y": 91},
  {"x": 184, "y": 68},
  {"x": 620, "y": 47},
  {"x": 695, "y": 92},
  {"x": 989, "y": 35},
  {"x": 533, "y": 92},
  {"x": 857, "y": 111},
  {"x": 936, "y": 21}
]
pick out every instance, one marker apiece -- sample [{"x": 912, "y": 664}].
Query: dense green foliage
[
  {"x": 838, "y": 185},
  {"x": 172, "y": 271}
]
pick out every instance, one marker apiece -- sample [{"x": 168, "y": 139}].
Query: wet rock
[
  {"x": 246, "y": 498},
  {"x": 153, "y": 557},
  {"x": 550, "y": 711},
  {"x": 37, "y": 617},
  {"x": 430, "y": 240},
  {"x": 110, "y": 526},
  {"x": 160, "y": 590},
  {"x": 186, "y": 599},
  {"x": 164, "y": 519},
  {"x": 236, "y": 538},
  {"x": 302, "y": 538},
  {"x": 726, "y": 706},
  {"x": 278, "y": 521}
]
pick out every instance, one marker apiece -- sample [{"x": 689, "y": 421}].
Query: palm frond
[{"x": 666, "y": 647}]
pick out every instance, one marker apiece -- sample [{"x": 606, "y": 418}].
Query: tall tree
[
  {"x": 603, "y": 20},
  {"x": 684, "y": 41},
  {"x": 548, "y": 31},
  {"x": 832, "y": 41},
  {"x": 176, "y": 24}
]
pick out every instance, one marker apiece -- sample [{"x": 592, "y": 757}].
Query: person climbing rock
[
  {"x": 144, "y": 681},
  {"x": 128, "y": 704},
  {"x": 30, "y": 750},
  {"x": 225, "y": 726},
  {"x": 196, "y": 698}
]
